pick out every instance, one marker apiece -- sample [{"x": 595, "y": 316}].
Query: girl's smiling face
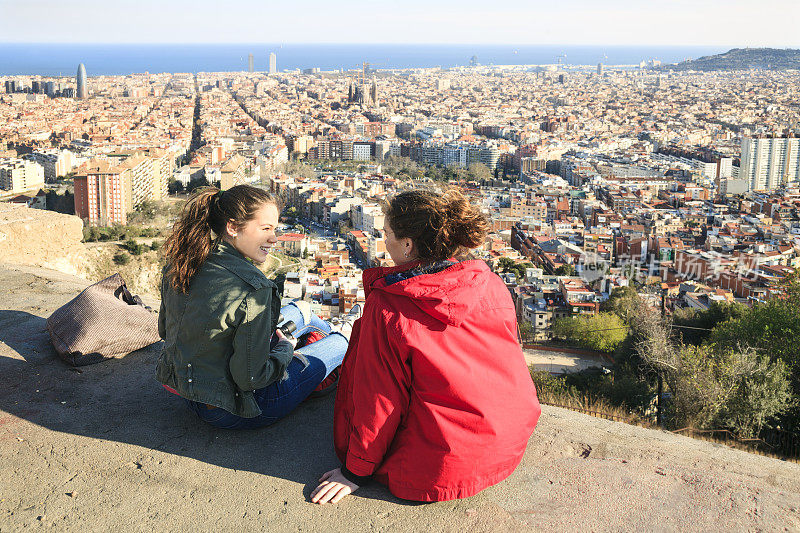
[{"x": 255, "y": 238}]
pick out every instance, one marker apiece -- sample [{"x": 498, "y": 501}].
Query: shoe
[
  {"x": 305, "y": 309},
  {"x": 328, "y": 384},
  {"x": 344, "y": 323},
  {"x": 354, "y": 311}
]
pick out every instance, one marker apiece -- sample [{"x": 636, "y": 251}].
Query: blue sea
[{"x": 119, "y": 59}]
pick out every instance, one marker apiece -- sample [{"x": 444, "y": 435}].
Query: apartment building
[
  {"x": 767, "y": 163},
  {"x": 18, "y": 175},
  {"x": 102, "y": 194}
]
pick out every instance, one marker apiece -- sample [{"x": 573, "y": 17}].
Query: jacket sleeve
[
  {"x": 381, "y": 383},
  {"x": 252, "y": 365}
]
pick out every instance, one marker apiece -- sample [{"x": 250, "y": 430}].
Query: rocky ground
[{"x": 105, "y": 447}]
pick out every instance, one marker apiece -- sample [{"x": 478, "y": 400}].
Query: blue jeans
[{"x": 303, "y": 375}]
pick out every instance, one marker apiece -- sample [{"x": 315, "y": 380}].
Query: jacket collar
[
  {"x": 371, "y": 275},
  {"x": 228, "y": 257},
  {"x": 449, "y": 295}
]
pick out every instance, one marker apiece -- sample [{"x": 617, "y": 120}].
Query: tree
[
  {"x": 565, "y": 270},
  {"x": 602, "y": 332},
  {"x": 708, "y": 319},
  {"x": 297, "y": 169},
  {"x": 196, "y": 183},
  {"x": 712, "y": 385},
  {"x": 117, "y": 232},
  {"x": 505, "y": 264},
  {"x": 772, "y": 327},
  {"x": 91, "y": 234},
  {"x": 175, "y": 187},
  {"x": 622, "y": 302},
  {"x": 526, "y": 330}
]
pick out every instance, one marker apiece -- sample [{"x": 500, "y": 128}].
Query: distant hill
[{"x": 743, "y": 59}]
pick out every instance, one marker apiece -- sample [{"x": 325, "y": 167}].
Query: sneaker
[
  {"x": 328, "y": 384},
  {"x": 355, "y": 312},
  {"x": 344, "y": 323},
  {"x": 305, "y": 309}
]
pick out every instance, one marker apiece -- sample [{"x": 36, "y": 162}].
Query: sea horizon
[{"x": 103, "y": 59}]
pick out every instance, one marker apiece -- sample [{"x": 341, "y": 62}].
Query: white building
[
  {"x": 273, "y": 63},
  {"x": 56, "y": 163},
  {"x": 768, "y": 163},
  {"x": 18, "y": 175},
  {"x": 373, "y": 219},
  {"x": 362, "y": 151}
]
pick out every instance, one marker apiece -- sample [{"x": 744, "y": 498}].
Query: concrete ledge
[{"x": 105, "y": 447}]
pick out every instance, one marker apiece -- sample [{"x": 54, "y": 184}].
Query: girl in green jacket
[{"x": 224, "y": 352}]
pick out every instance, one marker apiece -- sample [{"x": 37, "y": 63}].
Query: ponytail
[
  {"x": 202, "y": 223},
  {"x": 441, "y": 226}
]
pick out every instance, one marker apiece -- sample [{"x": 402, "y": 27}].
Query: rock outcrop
[
  {"x": 105, "y": 447},
  {"x": 42, "y": 238}
]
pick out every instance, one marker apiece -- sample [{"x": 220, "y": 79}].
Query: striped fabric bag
[{"x": 103, "y": 322}]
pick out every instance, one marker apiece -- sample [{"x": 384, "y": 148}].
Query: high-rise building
[
  {"x": 19, "y": 175},
  {"x": 250, "y": 66},
  {"x": 373, "y": 92},
  {"x": 767, "y": 163},
  {"x": 273, "y": 63},
  {"x": 82, "y": 91},
  {"x": 600, "y": 69},
  {"x": 100, "y": 194}
]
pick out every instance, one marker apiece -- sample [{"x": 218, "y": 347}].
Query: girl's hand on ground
[
  {"x": 333, "y": 487},
  {"x": 281, "y": 336}
]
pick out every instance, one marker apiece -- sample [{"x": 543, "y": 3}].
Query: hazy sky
[{"x": 669, "y": 22}]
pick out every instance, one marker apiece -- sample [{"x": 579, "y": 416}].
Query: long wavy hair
[
  {"x": 202, "y": 224},
  {"x": 440, "y": 225}
]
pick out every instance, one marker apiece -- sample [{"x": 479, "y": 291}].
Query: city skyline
[{"x": 579, "y": 22}]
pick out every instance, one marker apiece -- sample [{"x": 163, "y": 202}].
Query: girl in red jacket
[{"x": 435, "y": 399}]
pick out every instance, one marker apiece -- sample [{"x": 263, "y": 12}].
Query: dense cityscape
[
  {"x": 370, "y": 266},
  {"x": 599, "y": 181}
]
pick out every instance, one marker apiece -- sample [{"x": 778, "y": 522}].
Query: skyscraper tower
[
  {"x": 273, "y": 63},
  {"x": 600, "y": 69},
  {"x": 250, "y": 63},
  {"x": 82, "y": 91}
]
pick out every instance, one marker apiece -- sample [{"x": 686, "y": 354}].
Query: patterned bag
[{"x": 102, "y": 322}]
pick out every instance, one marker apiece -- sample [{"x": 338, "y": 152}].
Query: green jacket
[{"x": 217, "y": 336}]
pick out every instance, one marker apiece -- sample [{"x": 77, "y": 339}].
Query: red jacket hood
[{"x": 448, "y": 295}]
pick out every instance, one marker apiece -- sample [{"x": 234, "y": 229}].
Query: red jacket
[{"x": 435, "y": 399}]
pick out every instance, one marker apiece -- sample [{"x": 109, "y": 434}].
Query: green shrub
[
  {"x": 121, "y": 258},
  {"x": 134, "y": 247}
]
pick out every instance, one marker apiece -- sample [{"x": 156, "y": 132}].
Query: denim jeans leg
[
  {"x": 292, "y": 313},
  {"x": 329, "y": 351},
  {"x": 279, "y": 399},
  {"x": 217, "y": 417}
]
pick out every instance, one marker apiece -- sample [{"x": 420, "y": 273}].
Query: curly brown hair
[
  {"x": 441, "y": 226},
  {"x": 201, "y": 225}
]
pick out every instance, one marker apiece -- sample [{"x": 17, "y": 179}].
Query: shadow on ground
[{"x": 120, "y": 400}]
